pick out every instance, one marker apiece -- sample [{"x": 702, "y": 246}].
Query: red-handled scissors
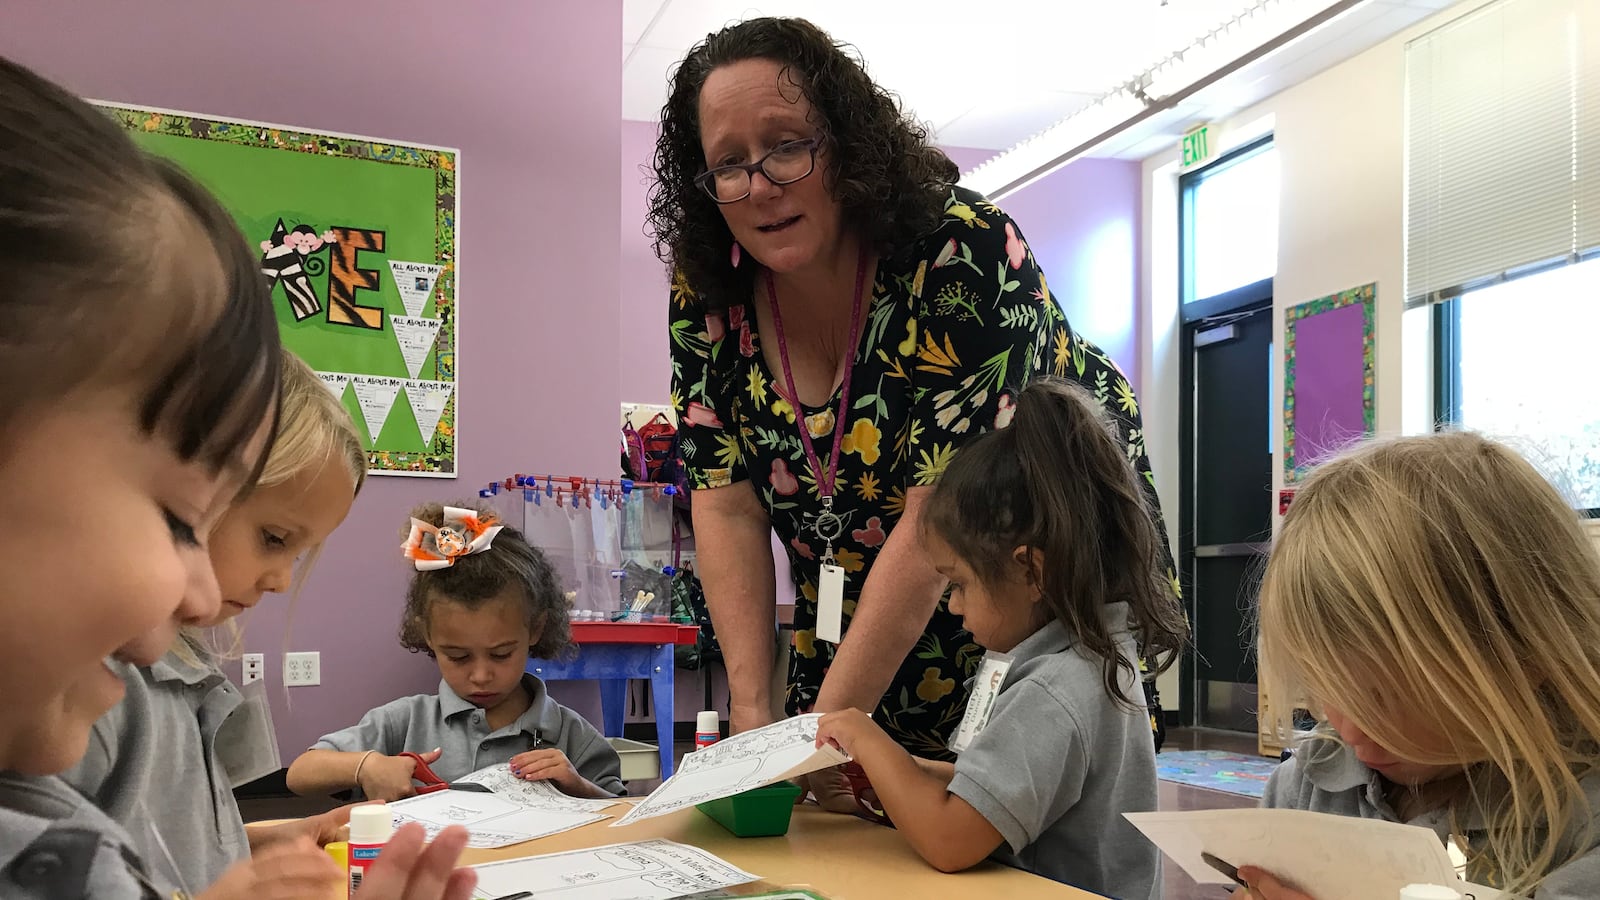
[{"x": 432, "y": 782}]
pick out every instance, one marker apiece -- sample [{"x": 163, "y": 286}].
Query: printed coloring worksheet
[{"x": 743, "y": 762}]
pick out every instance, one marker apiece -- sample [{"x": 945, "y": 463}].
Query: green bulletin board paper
[{"x": 352, "y": 206}]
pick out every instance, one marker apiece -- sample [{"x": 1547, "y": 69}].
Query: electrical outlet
[
  {"x": 255, "y": 667},
  {"x": 301, "y": 669}
]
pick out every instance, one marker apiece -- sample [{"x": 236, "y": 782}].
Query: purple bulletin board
[{"x": 1327, "y": 377}]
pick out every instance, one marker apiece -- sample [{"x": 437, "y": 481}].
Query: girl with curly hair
[
  {"x": 843, "y": 318},
  {"x": 481, "y": 603}
]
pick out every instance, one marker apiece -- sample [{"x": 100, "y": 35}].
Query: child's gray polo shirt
[
  {"x": 1060, "y": 762},
  {"x": 425, "y": 721},
  {"x": 160, "y": 761},
  {"x": 1325, "y": 776},
  {"x": 54, "y": 843}
]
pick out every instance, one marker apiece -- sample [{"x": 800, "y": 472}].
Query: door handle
[{"x": 1219, "y": 551}]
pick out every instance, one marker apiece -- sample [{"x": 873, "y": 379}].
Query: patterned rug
[{"x": 1232, "y": 773}]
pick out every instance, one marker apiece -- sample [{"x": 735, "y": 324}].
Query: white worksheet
[
  {"x": 494, "y": 820},
  {"x": 647, "y": 870},
  {"x": 1328, "y": 857},
  {"x": 745, "y": 761},
  {"x": 532, "y": 794}
]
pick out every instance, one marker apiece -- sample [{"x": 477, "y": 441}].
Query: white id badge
[
  {"x": 830, "y": 604},
  {"x": 985, "y": 688}
]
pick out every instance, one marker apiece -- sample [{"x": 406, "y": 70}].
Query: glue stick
[
  {"x": 370, "y": 827},
  {"x": 706, "y": 729}
]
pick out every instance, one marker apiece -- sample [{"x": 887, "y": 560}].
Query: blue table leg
[
  {"x": 661, "y": 697},
  {"x": 613, "y": 705},
  {"x": 613, "y": 665}
]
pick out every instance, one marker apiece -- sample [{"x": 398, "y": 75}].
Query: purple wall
[
  {"x": 539, "y": 200},
  {"x": 644, "y": 358}
]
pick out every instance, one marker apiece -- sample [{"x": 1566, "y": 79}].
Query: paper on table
[
  {"x": 647, "y": 870},
  {"x": 532, "y": 794},
  {"x": 493, "y": 820},
  {"x": 1328, "y": 857},
  {"x": 745, "y": 761}
]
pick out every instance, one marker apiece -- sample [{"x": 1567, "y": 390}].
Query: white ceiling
[{"x": 988, "y": 75}]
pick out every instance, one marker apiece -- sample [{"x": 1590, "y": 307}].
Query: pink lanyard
[{"x": 827, "y": 524}]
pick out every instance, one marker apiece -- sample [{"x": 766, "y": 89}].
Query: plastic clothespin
[
  {"x": 588, "y": 499},
  {"x": 529, "y": 495},
  {"x": 549, "y": 487},
  {"x": 669, "y": 571},
  {"x": 494, "y": 488},
  {"x": 560, "y": 498},
  {"x": 484, "y": 493},
  {"x": 538, "y": 498},
  {"x": 627, "y": 486},
  {"x": 521, "y": 479},
  {"x": 576, "y": 483},
  {"x": 605, "y": 499},
  {"x": 670, "y": 490},
  {"x": 510, "y": 484}
]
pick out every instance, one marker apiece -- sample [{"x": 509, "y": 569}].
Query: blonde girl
[
  {"x": 164, "y": 762},
  {"x": 139, "y": 349},
  {"x": 1439, "y": 603}
]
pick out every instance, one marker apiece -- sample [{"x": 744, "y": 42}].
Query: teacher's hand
[{"x": 1264, "y": 886}]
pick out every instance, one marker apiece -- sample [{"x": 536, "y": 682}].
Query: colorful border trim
[
  {"x": 440, "y": 459},
  {"x": 1366, "y": 295}
]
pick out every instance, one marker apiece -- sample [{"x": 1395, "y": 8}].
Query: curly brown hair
[
  {"x": 476, "y": 579},
  {"x": 882, "y": 169}
]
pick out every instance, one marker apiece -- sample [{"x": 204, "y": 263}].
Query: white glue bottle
[
  {"x": 1428, "y": 892},
  {"x": 706, "y": 729},
  {"x": 370, "y": 828}
]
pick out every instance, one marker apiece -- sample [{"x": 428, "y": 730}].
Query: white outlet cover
[
  {"x": 302, "y": 669},
  {"x": 254, "y": 667}
]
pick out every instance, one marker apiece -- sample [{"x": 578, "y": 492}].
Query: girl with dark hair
[
  {"x": 844, "y": 318},
  {"x": 1059, "y": 579}
]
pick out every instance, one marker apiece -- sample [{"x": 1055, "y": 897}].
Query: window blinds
[{"x": 1502, "y": 145}]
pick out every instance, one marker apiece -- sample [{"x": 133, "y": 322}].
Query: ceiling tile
[
  {"x": 992, "y": 79},
  {"x": 1005, "y": 121},
  {"x": 636, "y": 16}
]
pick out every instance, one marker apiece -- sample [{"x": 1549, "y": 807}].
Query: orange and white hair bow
[{"x": 463, "y": 533}]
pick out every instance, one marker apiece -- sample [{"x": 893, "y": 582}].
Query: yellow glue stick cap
[{"x": 340, "y": 851}]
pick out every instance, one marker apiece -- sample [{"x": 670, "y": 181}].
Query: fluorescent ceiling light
[{"x": 1257, "y": 32}]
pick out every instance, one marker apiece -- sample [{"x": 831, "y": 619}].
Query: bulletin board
[
  {"x": 358, "y": 239},
  {"x": 1328, "y": 347}
]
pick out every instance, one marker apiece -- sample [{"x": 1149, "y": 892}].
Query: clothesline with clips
[{"x": 608, "y": 491}]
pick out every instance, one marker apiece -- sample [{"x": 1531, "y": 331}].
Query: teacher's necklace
[{"x": 827, "y": 525}]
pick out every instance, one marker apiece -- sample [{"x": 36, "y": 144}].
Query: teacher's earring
[{"x": 735, "y": 255}]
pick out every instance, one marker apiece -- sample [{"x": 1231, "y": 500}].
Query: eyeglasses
[{"x": 786, "y": 163}]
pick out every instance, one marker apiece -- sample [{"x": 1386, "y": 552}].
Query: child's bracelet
[{"x": 361, "y": 762}]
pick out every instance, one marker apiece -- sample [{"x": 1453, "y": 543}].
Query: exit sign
[{"x": 1196, "y": 146}]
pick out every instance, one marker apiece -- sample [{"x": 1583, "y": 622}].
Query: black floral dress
[{"x": 954, "y": 328}]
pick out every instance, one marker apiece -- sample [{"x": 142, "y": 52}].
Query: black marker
[
  {"x": 1226, "y": 869},
  {"x": 521, "y": 895}
]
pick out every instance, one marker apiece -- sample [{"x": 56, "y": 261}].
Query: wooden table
[{"x": 840, "y": 857}]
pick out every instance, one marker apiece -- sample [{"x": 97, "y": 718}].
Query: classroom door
[{"x": 1228, "y": 507}]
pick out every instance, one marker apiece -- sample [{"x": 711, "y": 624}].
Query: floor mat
[{"x": 1232, "y": 773}]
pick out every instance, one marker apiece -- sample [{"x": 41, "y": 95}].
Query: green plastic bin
[{"x": 763, "y": 812}]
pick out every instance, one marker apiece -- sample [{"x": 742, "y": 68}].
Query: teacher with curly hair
[{"x": 843, "y": 318}]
